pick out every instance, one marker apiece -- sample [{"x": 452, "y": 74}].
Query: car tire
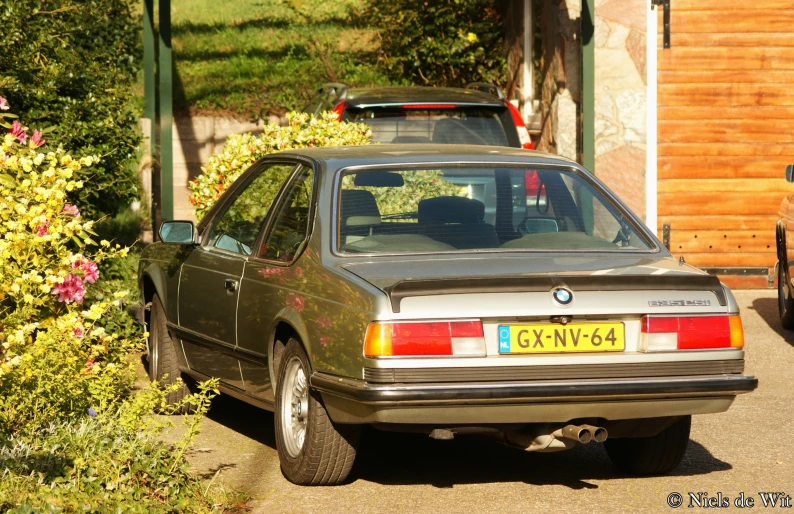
[
  {"x": 655, "y": 455},
  {"x": 785, "y": 302},
  {"x": 312, "y": 449},
  {"x": 163, "y": 364}
]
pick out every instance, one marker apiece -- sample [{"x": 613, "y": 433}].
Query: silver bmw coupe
[{"x": 446, "y": 290}]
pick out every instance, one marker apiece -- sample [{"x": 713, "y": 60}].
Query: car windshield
[
  {"x": 464, "y": 208},
  {"x": 423, "y": 124}
]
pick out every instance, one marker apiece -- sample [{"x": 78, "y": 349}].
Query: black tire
[
  {"x": 326, "y": 452},
  {"x": 163, "y": 364},
  {"x": 785, "y": 302},
  {"x": 655, "y": 455}
]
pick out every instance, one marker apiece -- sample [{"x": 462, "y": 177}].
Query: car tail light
[
  {"x": 428, "y": 106},
  {"x": 532, "y": 184},
  {"x": 661, "y": 333},
  {"x": 437, "y": 338},
  {"x": 523, "y": 133},
  {"x": 339, "y": 109}
]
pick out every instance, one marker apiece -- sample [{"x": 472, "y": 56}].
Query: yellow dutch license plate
[{"x": 555, "y": 338}]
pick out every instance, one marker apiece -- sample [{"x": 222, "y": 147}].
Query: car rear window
[
  {"x": 398, "y": 211},
  {"x": 447, "y": 125}
]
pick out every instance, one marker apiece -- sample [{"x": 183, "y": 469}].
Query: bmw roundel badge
[{"x": 562, "y": 296}]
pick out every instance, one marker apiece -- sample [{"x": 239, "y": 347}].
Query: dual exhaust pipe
[
  {"x": 543, "y": 438},
  {"x": 582, "y": 434}
]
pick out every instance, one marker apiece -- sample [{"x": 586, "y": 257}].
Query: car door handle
[{"x": 230, "y": 285}]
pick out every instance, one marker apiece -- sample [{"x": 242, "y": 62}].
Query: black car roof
[
  {"x": 380, "y": 154},
  {"x": 400, "y": 95}
]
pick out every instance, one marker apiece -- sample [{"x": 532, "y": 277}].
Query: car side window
[
  {"x": 236, "y": 229},
  {"x": 291, "y": 222}
]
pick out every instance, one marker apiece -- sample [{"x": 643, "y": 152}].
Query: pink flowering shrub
[{"x": 56, "y": 357}]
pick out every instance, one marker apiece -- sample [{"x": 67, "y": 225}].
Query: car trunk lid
[{"x": 414, "y": 276}]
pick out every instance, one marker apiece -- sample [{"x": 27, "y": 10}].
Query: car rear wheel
[
  {"x": 311, "y": 448},
  {"x": 651, "y": 455},
  {"x": 784, "y": 301},
  {"x": 163, "y": 364}
]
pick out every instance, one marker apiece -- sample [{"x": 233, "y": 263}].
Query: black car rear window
[
  {"x": 445, "y": 209},
  {"x": 437, "y": 123}
]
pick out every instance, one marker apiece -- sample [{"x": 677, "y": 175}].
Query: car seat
[
  {"x": 359, "y": 214},
  {"x": 457, "y": 221}
]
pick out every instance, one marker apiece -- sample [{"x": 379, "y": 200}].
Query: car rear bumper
[{"x": 356, "y": 401}]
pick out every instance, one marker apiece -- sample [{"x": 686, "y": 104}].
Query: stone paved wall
[
  {"x": 620, "y": 91},
  {"x": 620, "y": 98}
]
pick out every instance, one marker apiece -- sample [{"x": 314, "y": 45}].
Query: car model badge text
[{"x": 679, "y": 303}]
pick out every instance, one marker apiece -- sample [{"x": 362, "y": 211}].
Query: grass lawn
[{"x": 251, "y": 58}]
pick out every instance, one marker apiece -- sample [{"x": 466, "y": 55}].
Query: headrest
[
  {"x": 451, "y": 209},
  {"x": 359, "y": 208},
  {"x": 447, "y": 130}
]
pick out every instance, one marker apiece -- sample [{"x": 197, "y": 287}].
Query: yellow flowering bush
[
  {"x": 72, "y": 436},
  {"x": 241, "y": 150},
  {"x": 56, "y": 358}
]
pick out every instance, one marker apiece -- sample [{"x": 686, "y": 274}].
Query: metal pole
[
  {"x": 651, "y": 150},
  {"x": 166, "y": 113},
  {"x": 588, "y": 85},
  {"x": 588, "y": 104},
  {"x": 150, "y": 99}
]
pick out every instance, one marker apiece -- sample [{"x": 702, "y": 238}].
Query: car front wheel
[
  {"x": 163, "y": 365},
  {"x": 651, "y": 455},
  {"x": 311, "y": 448}
]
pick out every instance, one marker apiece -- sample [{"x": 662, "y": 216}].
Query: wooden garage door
[{"x": 726, "y": 131}]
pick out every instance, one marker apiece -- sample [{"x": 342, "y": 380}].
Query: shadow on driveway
[
  {"x": 767, "y": 310},
  {"x": 390, "y": 458},
  {"x": 403, "y": 459}
]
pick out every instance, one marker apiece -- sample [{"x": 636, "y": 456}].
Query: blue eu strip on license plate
[{"x": 504, "y": 339}]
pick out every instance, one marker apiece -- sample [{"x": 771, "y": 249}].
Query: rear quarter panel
[{"x": 329, "y": 308}]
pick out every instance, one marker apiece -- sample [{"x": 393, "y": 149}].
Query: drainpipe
[{"x": 529, "y": 33}]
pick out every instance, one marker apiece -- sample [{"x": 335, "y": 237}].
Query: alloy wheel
[{"x": 295, "y": 407}]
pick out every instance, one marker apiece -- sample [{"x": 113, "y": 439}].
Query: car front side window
[{"x": 236, "y": 229}]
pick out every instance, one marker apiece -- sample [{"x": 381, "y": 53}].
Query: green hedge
[
  {"x": 440, "y": 43},
  {"x": 71, "y": 65}
]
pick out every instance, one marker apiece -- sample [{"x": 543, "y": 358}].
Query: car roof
[
  {"x": 376, "y": 96},
  {"x": 379, "y": 154}
]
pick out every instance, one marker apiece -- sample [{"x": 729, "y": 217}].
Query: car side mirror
[
  {"x": 179, "y": 233},
  {"x": 790, "y": 172}
]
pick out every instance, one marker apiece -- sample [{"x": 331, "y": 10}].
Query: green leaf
[
  {"x": 77, "y": 241},
  {"x": 7, "y": 180}
]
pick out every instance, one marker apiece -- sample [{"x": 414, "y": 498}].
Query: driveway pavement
[{"x": 749, "y": 449}]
